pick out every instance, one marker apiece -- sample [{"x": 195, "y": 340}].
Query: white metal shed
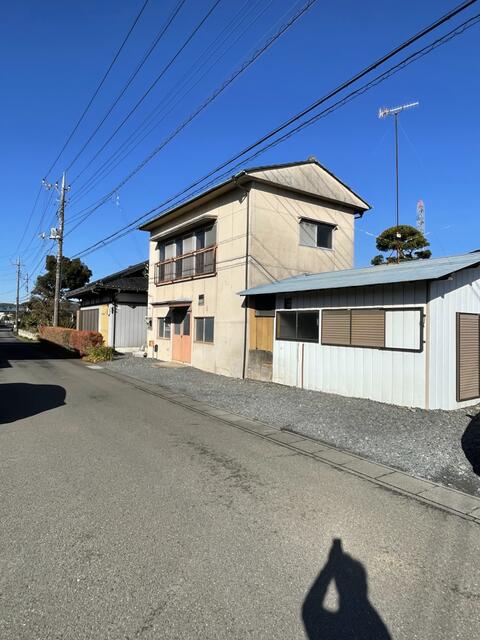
[{"x": 406, "y": 334}]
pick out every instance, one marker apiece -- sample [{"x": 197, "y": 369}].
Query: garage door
[
  {"x": 468, "y": 356},
  {"x": 89, "y": 320}
]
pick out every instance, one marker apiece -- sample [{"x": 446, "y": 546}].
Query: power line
[
  {"x": 106, "y": 167},
  {"x": 150, "y": 88},
  {"x": 100, "y": 84},
  {"x": 89, "y": 104},
  {"x": 210, "y": 99},
  {"x": 159, "y": 36},
  {"x": 167, "y": 204},
  {"x": 29, "y": 220}
]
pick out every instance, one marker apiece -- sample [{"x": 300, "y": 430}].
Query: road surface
[{"x": 125, "y": 516}]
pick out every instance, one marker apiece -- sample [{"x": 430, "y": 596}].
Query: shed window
[
  {"x": 300, "y": 326},
  {"x": 336, "y": 326},
  {"x": 395, "y": 329},
  {"x": 316, "y": 234},
  {"x": 204, "y": 329},
  {"x": 354, "y": 327},
  {"x": 164, "y": 328},
  {"x": 368, "y": 328},
  {"x": 468, "y": 356}
]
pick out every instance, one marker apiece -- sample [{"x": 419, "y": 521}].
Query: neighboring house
[
  {"x": 406, "y": 334},
  {"x": 116, "y": 306},
  {"x": 262, "y": 225}
]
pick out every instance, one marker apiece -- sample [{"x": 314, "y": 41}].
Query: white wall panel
[
  {"x": 396, "y": 377},
  {"x": 461, "y": 293},
  {"x": 286, "y": 363}
]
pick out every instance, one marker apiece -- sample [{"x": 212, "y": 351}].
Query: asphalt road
[{"x": 125, "y": 516}]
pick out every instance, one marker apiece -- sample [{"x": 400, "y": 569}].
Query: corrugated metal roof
[{"x": 384, "y": 274}]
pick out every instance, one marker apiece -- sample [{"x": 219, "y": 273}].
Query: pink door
[{"x": 181, "y": 339}]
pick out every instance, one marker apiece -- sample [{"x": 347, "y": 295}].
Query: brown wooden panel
[
  {"x": 468, "y": 356},
  {"x": 368, "y": 328},
  {"x": 336, "y": 326},
  {"x": 261, "y": 332}
]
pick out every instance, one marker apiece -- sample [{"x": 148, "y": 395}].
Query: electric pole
[
  {"x": 59, "y": 239},
  {"x": 383, "y": 113},
  {"x": 17, "y": 303}
]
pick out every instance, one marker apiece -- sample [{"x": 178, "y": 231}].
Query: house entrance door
[{"x": 181, "y": 339}]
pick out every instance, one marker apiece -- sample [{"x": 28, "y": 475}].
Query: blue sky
[{"x": 52, "y": 55}]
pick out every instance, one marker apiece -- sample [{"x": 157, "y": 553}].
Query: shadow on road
[
  {"x": 20, "y": 400},
  {"x": 471, "y": 443},
  {"x": 13, "y": 349},
  {"x": 356, "y": 618}
]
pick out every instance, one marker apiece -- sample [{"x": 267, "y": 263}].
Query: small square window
[
  {"x": 201, "y": 300},
  {"x": 316, "y": 234}
]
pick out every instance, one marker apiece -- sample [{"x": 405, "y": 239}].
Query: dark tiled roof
[{"x": 133, "y": 278}]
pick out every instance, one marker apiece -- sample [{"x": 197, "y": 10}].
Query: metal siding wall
[
  {"x": 285, "y": 363},
  {"x": 131, "y": 328},
  {"x": 394, "y": 377},
  {"x": 447, "y": 297}
]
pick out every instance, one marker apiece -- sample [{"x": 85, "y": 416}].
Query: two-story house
[{"x": 262, "y": 225}]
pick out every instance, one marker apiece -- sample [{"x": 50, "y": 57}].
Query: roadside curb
[{"x": 451, "y": 500}]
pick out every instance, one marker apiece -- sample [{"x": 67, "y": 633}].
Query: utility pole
[
  {"x": 17, "y": 303},
  {"x": 383, "y": 113},
  {"x": 59, "y": 239}
]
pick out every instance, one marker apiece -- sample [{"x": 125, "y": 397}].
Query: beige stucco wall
[
  {"x": 220, "y": 292},
  {"x": 104, "y": 322},
  {"x": 275, "y": 250},
  {"x": 274, "y": 254}
]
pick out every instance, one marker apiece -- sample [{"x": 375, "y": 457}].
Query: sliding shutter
[
  {"x": 468, "y": 356},
  {"x": 89, "y": 320},
  {"x": 336, "y": 326},
  {"x": 368, "y": 327}
]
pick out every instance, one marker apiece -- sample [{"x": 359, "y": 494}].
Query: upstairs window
[
  {"x": 316, "y": 234},
  {"x": 189, "y": 255}
]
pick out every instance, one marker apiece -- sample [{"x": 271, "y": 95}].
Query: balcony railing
[{"x": 190, "y": 265}]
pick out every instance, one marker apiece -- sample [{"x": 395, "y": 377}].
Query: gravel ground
[{"x": 423, "y": 443}]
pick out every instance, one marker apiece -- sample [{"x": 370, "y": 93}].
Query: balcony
[{"x": 186, "y": 267}]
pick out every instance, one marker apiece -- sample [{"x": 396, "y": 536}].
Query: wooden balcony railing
[{"x": 187, "y": 266}]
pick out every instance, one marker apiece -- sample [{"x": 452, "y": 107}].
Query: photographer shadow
[{"x": 356, "y": 618}]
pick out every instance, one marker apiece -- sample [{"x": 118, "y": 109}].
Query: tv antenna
[{"x": 384, "y": 112}]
